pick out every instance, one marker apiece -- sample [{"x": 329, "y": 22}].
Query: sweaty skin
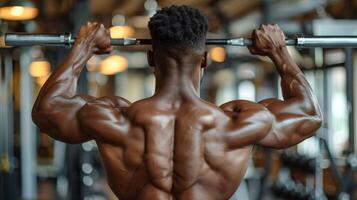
[{"x": 175, "y": 145}]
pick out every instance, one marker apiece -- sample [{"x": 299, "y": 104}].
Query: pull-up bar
[{"x": 25, "y": 39}]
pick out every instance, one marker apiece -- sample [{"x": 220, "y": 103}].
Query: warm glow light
[
  {"x": 40, "y": 68},
  {"x": 41, "y": 80},
  {"x": 139, "y": 21},
  {"x": 121, "y": 31},
  {"x": 18, "y": 13},
  {"x": 113, "y": 64},
  {"x": 218, "y": 54}
]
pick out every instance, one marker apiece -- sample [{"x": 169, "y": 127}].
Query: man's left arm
[
  {"x": 298, "y": 115},
  {"x": 273, "y": 122}
]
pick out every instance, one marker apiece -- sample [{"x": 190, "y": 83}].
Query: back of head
[{"x": 178, "y": 27}]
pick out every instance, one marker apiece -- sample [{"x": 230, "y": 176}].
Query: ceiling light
[
  {"x": 40, "y": 68},
  {"x": 18, "y": 10},
  {"x": 113, "y": 64},
  {"x": 217, "y": 54},
  {"x": 121, "y": 31}
]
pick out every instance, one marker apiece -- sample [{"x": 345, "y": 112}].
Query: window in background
[
  {"x": 246, "y": 90},
  {"x": 130, "y": 85},
  {"x": 338, "y": 124},
  {"x": 336, "y": 113},
  {"x": 224, "y": 81}
]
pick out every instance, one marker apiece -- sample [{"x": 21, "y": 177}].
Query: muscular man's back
[
  {"x": 173, "y": 145},
  {"x": 173, "y": 153}
]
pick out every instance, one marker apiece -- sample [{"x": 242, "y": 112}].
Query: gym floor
[{"x": 35, "y": 166}]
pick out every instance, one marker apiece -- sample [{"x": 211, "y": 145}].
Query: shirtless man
[{"x": 175, "y": 145}]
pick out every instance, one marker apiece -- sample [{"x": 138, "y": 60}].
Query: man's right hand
[{"x": 96, "y": 36}]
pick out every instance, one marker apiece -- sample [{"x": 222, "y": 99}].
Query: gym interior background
[{"x": 34, "y": 166}]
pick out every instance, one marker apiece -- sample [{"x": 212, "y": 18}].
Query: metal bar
[
  {"x": 24, "y": 39},
  {"x": 349, "y": 94},
  {"x": 327, "y": 41},
  {"x": 335, "y": 173},
  {"x": 27, "y": 131}
]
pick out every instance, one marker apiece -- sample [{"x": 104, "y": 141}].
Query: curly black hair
[{"x": 179, "y": 25}]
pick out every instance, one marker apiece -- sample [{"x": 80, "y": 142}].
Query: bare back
[
  {"x": 174, "y": 145},
  {"x": 174, "y": 154}
]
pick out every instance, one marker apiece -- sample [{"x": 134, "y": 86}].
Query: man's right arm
[{"x": 67, "y": 116}]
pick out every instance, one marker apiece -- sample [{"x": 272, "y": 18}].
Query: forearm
[
  {"x": 284, "y": 63},
  {"x": 295, "y": 88},
  {"x": 63, "y": 81}
]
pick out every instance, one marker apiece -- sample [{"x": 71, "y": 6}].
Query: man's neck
[{"x": 178, "y": 84}]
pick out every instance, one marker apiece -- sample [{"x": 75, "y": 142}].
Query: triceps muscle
[{"x": 59, "y": 119}]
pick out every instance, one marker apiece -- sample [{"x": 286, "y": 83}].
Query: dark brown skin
[{"x": 175, "y": 145}]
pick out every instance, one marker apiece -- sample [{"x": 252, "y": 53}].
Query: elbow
[
  {"x": 315, "y": 119},
  {"x": 37, "y": 116},
  {"x": 310, "y": 126},
  {"x": 40, "y": 112},
  {"x": 317, "y": 122},
  {"x": 314, "y": 112},
  {"x": 317, "y": 116}
]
